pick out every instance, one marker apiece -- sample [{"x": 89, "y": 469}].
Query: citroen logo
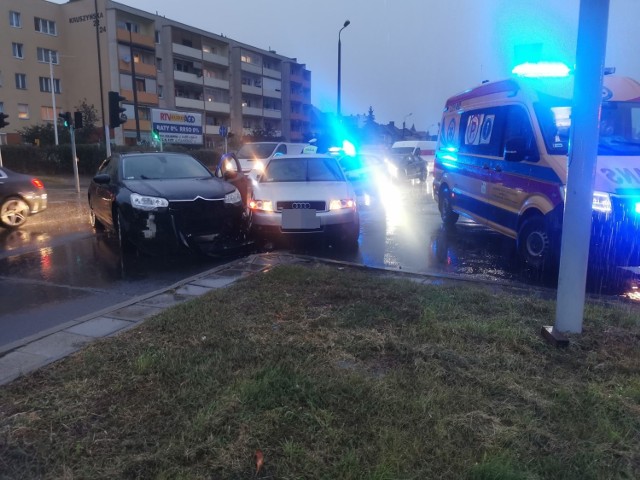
[{"x": 298, "y": 205}]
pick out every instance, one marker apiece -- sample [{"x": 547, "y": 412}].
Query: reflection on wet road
[{"x": 56, "y": 269}]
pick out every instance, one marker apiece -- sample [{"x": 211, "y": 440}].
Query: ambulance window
[
  {"x": 480, "y": 131},
  {"x": 518, "y": 125}
]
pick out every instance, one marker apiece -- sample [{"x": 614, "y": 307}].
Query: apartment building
[{"x": 54, "y": 56}]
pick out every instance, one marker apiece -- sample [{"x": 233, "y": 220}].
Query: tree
[{"x": 89, "y": 133}]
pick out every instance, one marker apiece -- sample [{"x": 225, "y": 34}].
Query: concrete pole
[
  {"x": 75, "y": 158},
  {"x": 576, "y": 228},
  {"x": 53, "y": 100}
]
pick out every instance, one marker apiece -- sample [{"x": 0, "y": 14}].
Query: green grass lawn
[{"x": 337, "y": 374}]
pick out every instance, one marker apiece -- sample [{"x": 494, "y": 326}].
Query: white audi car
[{"x": 308, "y": 195}]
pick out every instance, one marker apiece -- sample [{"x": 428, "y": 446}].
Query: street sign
[{"x": 224, "y": 130}]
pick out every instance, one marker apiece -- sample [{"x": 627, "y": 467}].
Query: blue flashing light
[
  {"x": 541, "y": 69},
  {"x": 349, "y": 148}
]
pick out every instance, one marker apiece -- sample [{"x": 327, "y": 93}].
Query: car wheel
[
  {"x": 123, "y": 242},
  {"x": 14, "y": 212},
  {"x": 95, "y": 223},
  {"x": 448, "y": 216},
  {"x": 534, "y": 243}
]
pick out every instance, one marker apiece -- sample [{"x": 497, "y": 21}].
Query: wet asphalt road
[{"x": 55, "y": 269}]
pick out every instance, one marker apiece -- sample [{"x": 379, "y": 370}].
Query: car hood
[
  {"x": 209, "y": 188},
  {"x": 617, "y": 174},
  {"x": 308, "y": 191}
]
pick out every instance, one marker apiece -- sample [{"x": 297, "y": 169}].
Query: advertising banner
[{"x": 177, "y": 127}]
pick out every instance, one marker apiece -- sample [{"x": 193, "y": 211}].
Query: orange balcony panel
[
  {"x": 136, "y": 38},
  {"x": 141, "y": 68},
  {"x": 143, "y": 97},
  {"x": 130, "y": 124}
]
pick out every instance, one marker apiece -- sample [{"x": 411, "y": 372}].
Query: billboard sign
[{"x": 177, "y": 127}]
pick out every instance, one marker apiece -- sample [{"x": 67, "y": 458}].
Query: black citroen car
[{"x": 159, "y": 202}]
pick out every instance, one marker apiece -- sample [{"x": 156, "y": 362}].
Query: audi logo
[{"x": 299, "y": 205}]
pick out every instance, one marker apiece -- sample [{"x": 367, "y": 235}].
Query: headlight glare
[
  {"x": 264, "y": 205},
  {"x": 340, "y": 204},
  {"x": 144, "y": 202},
  {"x": 601, "y": 202}
]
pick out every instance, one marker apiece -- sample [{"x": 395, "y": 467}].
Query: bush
[{"x": 54, "y": 160}]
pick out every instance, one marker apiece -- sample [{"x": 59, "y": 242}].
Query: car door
[{"x": 104, "y": 193}]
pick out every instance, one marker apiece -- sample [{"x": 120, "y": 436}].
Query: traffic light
[
  {"x": 66, "y": 119},
  {"x": 155, "y": 134},
  {"x": 77, "y": 120},
  {"x": 3, "y": 120},
  {"x": 116, "y": 112}
]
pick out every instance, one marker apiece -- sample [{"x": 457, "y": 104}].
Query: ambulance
[{"x": 502, "y": 159}]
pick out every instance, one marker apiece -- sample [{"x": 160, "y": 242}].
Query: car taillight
[{"x": 37, "y": 183}]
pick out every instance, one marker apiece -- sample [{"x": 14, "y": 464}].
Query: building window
[
  {"x": 45, "y": 26},
  {"x": 17, "y": 50},
  {"x": 45, "y": 84},
  {"x": 23, "y": 111},
  {"x": 21, "y": 81},
  {"x": 44, "y": 54},
  {"x": 159, "y": 64},
  {"x": 1, "y": 107},
  {"x": 14, "y": 19},
  {"x": 47, "y": 113},
  {"x": 157, "y": 36},
  {"x": 160, "y": 91},
  {"x": 135, "y": 28}
]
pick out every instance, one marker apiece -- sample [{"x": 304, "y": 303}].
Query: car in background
[
  {"x": 367, "y": 174},
  {"x": 305, "y": 195},
  {"x": 159, "y": 202},
  {"x": 409, "y": 159},
  {"x": 20, "y": 197},
  {"x": 254, "y": 156}
]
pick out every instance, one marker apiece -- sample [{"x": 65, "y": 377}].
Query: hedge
[{"x": 54, "y": 160}]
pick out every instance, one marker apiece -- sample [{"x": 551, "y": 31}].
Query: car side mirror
[
  {"x": 514, "y": 149},
  {"x": 102, "y": 179}
]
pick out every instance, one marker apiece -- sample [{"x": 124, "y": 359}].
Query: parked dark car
[
  {"x": 161, "y": 202},
  {"x": 20, "y": 196},
  {"x": 407, "y": 164}
]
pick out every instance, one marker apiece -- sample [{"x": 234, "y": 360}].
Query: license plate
[{"x": 300, "y": 219}]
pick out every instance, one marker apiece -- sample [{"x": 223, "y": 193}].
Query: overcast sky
[{"x": 405, "y": 57}]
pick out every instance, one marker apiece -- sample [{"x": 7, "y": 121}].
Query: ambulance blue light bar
[{"x": 541, "y": 69}]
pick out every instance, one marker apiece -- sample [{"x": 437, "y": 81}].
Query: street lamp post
[
  {"x": 346, "y": 24},
  {"x": 404, "y": 121},
  {"x": 135, "y": 87}
]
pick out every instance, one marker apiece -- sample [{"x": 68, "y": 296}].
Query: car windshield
[
  {"x": 162, "y": 166},
  {"x": 402, "y": 150},
  {"x": 359, "y": 162},
  {"x": 302, "y": 170},
  {"x": 619, "y": 129},
  {"x": 258, "y": 151}
]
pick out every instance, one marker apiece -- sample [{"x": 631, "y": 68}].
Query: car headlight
[
  {"x": 233, "y": 197},
  {"x": 264, "y": 205},
  {"x": 393, "y": 170},
  {"x": 601, "y": 202},
  {"x": 340, "y": 204},
  {"x": 144, "y": 202}
]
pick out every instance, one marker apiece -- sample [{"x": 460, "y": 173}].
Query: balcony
[
  {"x": 191, "y": 103},
  {"x": 252, "y": 90},
  {"x": 272, "y": 114},
  {"x": 268, "y": 72},
  {"x": 217, "y": 107},
  {"x": 138, "y": 39},
  {"x": 186, "y": 51},
  {"x": 248, "y": 67},
  {"x": 130, "y": 124},
  {"x": 143, "y": 97},
  {"x": 252, "y": 111},
  {"x": 216, "y": 83},
  {"x": 143, "y": 69},
  {"x": 217, "y": 59},
  {"x": 272, "y": 93},
  {"x": 297, "y": 97},
  {"x": 187, "y": 77},
  {"x": 298, "y": 116}
]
